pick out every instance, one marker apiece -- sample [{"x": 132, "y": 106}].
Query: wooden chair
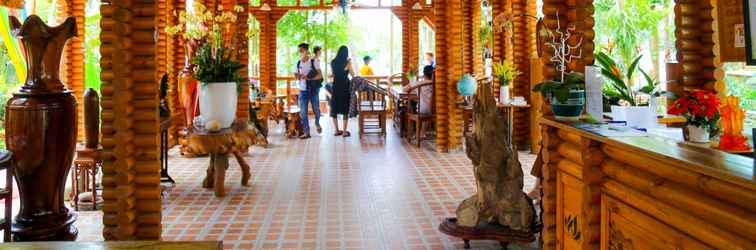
[
  {"x": 6, "y": 163},
  {"x": 290, "y": 112},
  {"x": 372, "y": 110},
  {"x": 390, "y": 83},
  {"x": 414, "y": 117}
]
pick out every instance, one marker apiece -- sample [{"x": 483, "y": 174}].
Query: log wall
[
  {"x": 694, "y": 22},
  {"x": 602, "y": 193},
  {"x": 131, "y": 166}
]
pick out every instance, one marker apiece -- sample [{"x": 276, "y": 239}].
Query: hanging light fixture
[
  {"x": 417, "y": 6},
  {"x": 265, "y": 7}
]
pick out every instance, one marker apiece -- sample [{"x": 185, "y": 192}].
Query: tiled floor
[{"x": 322, "y": 193}]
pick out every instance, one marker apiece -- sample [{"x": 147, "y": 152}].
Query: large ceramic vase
[
  {"x": 40, "y": 125},
  {"x": 188, "y": 86}
]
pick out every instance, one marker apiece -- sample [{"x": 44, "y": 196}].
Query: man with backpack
[{"x": 310, "y": 80}]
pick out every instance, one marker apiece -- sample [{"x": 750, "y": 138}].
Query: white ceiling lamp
[
  {"x": 417, "y": 6},
  {"x": 265, "y": 7}
]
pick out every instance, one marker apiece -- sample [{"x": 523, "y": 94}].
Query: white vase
[
  {"x": 504, "y": 95},
  {"x": 218, "y": 103},
  {"x": 697, "y": 134}
]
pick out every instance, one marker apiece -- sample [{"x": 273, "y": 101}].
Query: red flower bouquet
[{"x": 701, "y": 108}]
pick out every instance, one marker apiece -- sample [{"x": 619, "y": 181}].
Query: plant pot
[
  {"x": 504, "y": 97},
  {"x": 572, "y": 108},
  {"x": 218, "y": 103},
  {"x": 697, "y": 134}
]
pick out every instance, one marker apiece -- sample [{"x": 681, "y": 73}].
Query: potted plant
[
  {"x": 219, "y": 77},
  {"x": 701, "y": 109},
  {"x": 636, "y": 107},
  {"x": 566, "y": 92},
  {"x": 215, "y": 60},
  {"x": 505, "y": 72},
  {"x": 411, "y": 75}
]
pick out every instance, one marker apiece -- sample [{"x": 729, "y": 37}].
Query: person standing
[
  {"x": 309, "y": 76},
  {"x": 366, "y": 70},
  {"x": 342, "y": 68}
]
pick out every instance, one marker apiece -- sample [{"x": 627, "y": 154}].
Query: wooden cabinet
[
  {"x": 643, "y": 193},
  {"x": 626, "y": 228}
]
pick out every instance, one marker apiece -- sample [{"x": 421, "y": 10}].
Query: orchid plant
[
  {"x": 564, "y": 52},
  {"x": 220, "y": 42}
]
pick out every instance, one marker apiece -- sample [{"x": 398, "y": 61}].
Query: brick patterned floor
[{"x": 324, "y": 193}]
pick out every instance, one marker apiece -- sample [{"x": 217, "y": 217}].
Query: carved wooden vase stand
[
  {"x": 500, "y": 210},
  {"x": 41, "y": 133}
]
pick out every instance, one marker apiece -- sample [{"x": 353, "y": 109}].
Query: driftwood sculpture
[{"x": 498, "y": 174}]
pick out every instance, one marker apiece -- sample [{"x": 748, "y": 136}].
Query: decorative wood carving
[
  {"x": 617, "y": 241},
  {"x": 498, "y": 174},
  {"x": 41, "y": 133},
  {"x": 131, "y": 166}
]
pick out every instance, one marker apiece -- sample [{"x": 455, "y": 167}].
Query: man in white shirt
[{"x": 309, "y": 75}]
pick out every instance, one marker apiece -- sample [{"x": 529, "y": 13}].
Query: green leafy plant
[
  {"x": 561, "y": 90},
  {"x": 620, "y": 84},
  {"x": 505, "y": 72},
  {"x": 218, "y": 64}
]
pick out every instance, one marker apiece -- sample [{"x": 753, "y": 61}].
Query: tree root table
[{"x": 219, "y": 144}]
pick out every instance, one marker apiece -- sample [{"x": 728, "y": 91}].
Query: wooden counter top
[
  {"x": 642, "y": 190},
  {"x": 732, "y": 168}
]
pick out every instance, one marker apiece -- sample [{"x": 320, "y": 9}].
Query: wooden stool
[
  {"x": 219, "y": 144},
  {"x": 85, "y": 168},
  {"x": 6, "y": 163}
]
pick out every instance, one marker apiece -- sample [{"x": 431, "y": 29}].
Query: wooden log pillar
[
  {"x": 176, "y": 63},
  {"x": 551, "y": 157},
  {"x": 268, "y": 21},
  {"x": 517, "y": 47},
  {"x": 73, "y": 69},
  {"x": 502, "y": 41},
  {"x": 131, "y": 167},
  {"x": 695, "y": 44},
  {"x": 242, "y": 108},
  {"x": 410, "y": 19}
]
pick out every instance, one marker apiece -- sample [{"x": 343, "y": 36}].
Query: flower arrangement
[
  {"x": 505, "y": 72},
  {"x": 220, "y": 43},
  {"x": 700, "y": 108}
]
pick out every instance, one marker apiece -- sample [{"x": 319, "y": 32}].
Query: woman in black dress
[{"x": 342, "y": 68}]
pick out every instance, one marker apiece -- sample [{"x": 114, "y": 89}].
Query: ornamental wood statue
[{"x": 498, "y": 175}]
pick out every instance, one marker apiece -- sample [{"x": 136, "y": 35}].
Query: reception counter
[{"x": 643, "y": 193}]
